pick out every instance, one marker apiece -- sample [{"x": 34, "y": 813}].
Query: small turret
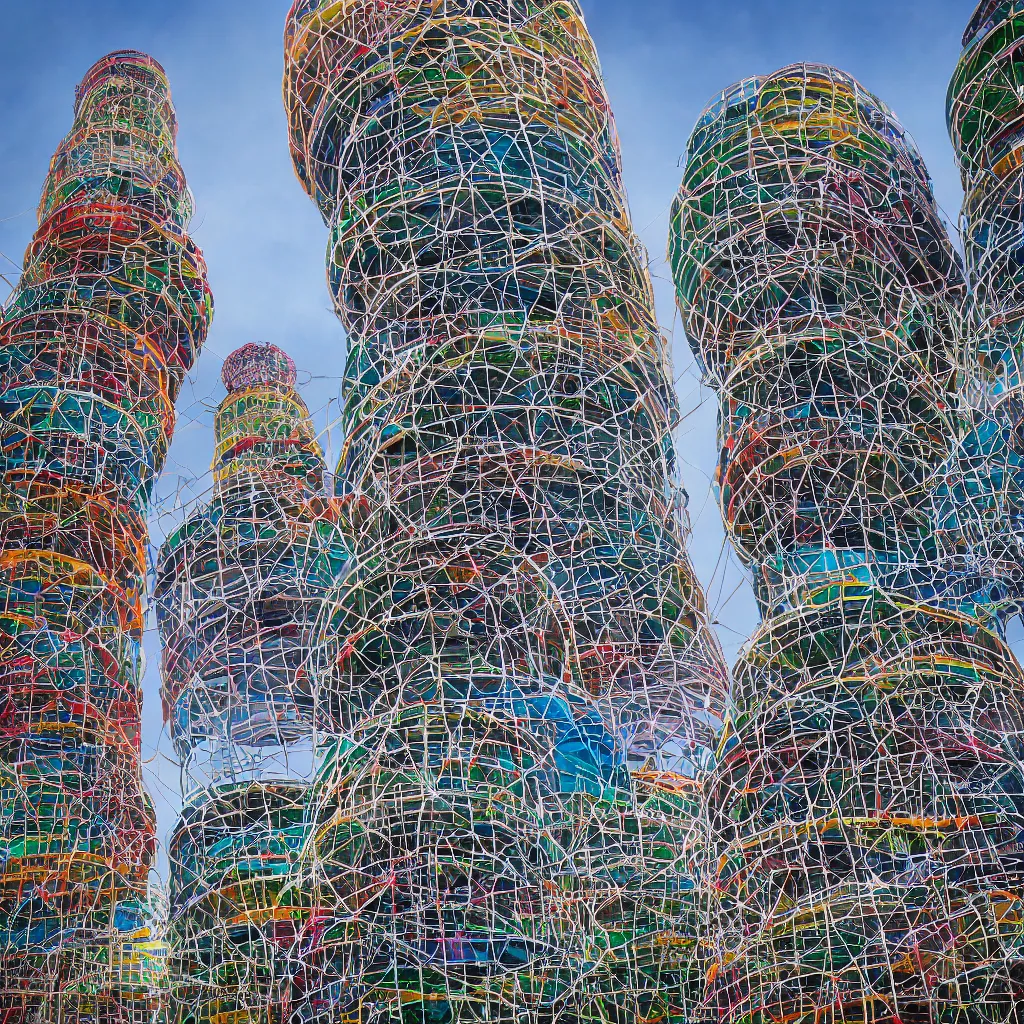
[{"x": 239, "y": 590}]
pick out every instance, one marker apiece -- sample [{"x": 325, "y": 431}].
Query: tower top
[
  {"x": 123, "y": 64},
  {"x": 256, "y": 364}
]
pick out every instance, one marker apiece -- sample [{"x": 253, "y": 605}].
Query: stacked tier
[
  {"x": 110, "y": 313},
  {"x": 819, "y": 289},
  {"x": 239, "y": 590},
  {"x": 870, "y": 785},
  {"x": 240, "y": 927},
  {"x": 520, "y": 624},
  {"x": 986, "y": 122}
]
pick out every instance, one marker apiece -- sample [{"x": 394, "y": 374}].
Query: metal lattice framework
[
  {"x": 110, "y": 313},
  {"x": 239, "y": 588},
  {"x": 869, "y": 794},
  {"x": 455, "y": 742},
  {"x": 517, "y": 667}
]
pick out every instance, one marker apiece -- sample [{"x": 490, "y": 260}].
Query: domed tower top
[
  {"x": 258, "y": 364},
  {"x": 132, "y": 64},
  {"x": 122, "y": 149},
  {"x": 263, "y": 429}
]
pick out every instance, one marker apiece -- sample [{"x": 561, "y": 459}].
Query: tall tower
[
  {"x": 239, "y": 589},
  {"x": 109, "y": 315},
  {"x": 518, "y": 666},
  {"x": 870, "y": 786},
  {"x": 984, "y": 109}
]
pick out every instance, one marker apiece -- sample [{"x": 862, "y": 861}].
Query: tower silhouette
[
  {"x": 108, "y": 316},
  {"x": 869, "y": 792},
  {"x": 518, "y": 666},
  {"x": 239, "y": 590}
]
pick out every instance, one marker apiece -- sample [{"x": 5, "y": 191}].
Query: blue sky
[{"x": 264, "y": 241}]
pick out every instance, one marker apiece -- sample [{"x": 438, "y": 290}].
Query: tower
[
  {"x": 239, "y": 590},
  {"x": 109, "y": 315},
  {"x": 983, "y": 110},
  {"x": 518, "y": 666},
  {"x": 870, "y": 781}
]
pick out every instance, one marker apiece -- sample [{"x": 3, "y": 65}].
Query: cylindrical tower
[
  {"x": 985, "y": 115},
  {"x": 520, "y": 625},
  {"x": 239, "y": 587},
  {"x": 110, "y": 312},
  {"x": 869, "y": 788}
]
